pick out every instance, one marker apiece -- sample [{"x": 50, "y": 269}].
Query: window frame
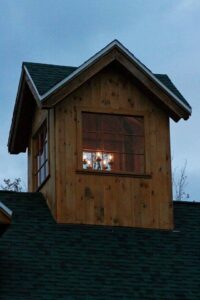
[
  {"x": 36, "y": 170},
  {"x": 108, "y": 111}
]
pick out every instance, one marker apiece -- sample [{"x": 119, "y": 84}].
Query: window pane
[
  {"x": 111, "y": 123},
  {"x": 42, "y": 174},
  {"x": 134, "y": 144},
  {"x": 129, "y": 164},
  {"x": 132, "y": 163},
  {"x": 91, "y": 122},
  {"x": 139, "y": 145},
  {"x": 128, "y": 144},
  {"x": 113, "y": 142},
  {"x": 41, "y": 155},
  {"x": 46, "y": 169},
  {"x": 92, "y": 141},
  {"x": 46, "y": 151},
  {"x": 133, "y": 125}
]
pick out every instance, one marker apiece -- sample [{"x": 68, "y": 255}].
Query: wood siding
[{"x": 118, "y": 199}]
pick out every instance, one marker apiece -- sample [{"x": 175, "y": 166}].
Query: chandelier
[{"x": 98, "y": 161}]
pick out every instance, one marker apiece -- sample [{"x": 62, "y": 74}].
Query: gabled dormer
[{"x": 98, "y": 139}]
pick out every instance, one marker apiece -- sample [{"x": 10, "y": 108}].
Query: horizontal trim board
[{"x": 117, "y": 174}]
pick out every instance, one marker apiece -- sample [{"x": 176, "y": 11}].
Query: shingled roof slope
[
  {"x": 40, "y": 259},
  {"x": 46, "y": 76}
]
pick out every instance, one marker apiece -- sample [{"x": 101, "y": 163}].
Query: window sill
[{"x": 113, "y": 173}]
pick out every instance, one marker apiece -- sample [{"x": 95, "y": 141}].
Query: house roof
[
  {"x": 113, "y": 45},
  {"x": 40, "y": 259},
  {"x": 45, "y": 85},
  {"x": 46, "y": 76},
  {"x": 117, "y": 45}
]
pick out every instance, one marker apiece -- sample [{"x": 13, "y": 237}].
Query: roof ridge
[{"x": 45, "y": 64}]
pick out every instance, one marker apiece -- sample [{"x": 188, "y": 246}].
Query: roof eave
[
  {"x": 32, "y": 86},
  {"x": 25, "y": 78},
  {"x": 12, "y": 131},
  {"x": 44, "y": 98}
]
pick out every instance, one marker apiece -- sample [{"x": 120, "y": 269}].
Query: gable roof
[
  {"x": 113, "y": 45},
  {"x": 46, "y": 76},
  {"x": 45, "y": 85},
  {"x": 45, "y": 260}
]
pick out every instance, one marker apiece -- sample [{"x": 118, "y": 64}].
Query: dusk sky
[{"x": 163, "y": 34}]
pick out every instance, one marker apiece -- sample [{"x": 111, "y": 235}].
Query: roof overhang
[
  {"x": 5, "y": 217},
  {"x": 26, "y": 101},
  {"x": 28, "y": 95},
  {"x": 114, "y": 51}
]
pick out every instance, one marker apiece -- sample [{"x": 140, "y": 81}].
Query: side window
[
  {"x": 113, "y": 142},
  {"x": 41, "y": 159}
]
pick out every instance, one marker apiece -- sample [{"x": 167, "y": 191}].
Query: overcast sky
[{"x": 163, "y": 34}]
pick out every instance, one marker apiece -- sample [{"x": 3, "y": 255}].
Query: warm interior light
[
  {"x": 110, "y": 157},
  {"x": 84, "y": 159},
  {"x": 98, "y": 160},
  {"x": 98, "y": 156}
]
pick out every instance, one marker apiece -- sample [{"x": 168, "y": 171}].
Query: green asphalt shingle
[
  {"x": 40, "y": 259},
  {"x": 47, "y": 76}
]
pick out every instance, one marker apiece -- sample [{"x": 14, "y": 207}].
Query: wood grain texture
[
  {"x": 112, "y": 200},
  {"x": 160, "y": 95}
]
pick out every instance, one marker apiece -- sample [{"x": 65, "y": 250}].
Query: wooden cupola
[{"x": 98, "y": 139}]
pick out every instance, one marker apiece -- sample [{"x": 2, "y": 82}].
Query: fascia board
[
  {"x": 38, "y": 96},
  {"x": 14, "y": 121},
  {"x": 8, "y": 212},
  {"x": 85, "y": 65}
]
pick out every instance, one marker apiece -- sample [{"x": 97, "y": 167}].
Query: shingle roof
[
  {"x": 46, "y": 76},
  {"x": 169, "y": 84},
  {"x": 40, "y": 259}
]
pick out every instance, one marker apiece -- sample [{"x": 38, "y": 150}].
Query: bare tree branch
[
  {"x": 14, "y": 185},
  {"x": 179, "y": 178}
]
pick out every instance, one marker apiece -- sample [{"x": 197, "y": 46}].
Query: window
[
  {"x": 41, "y": 155},
  {"x": 113, "y": 142}
]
